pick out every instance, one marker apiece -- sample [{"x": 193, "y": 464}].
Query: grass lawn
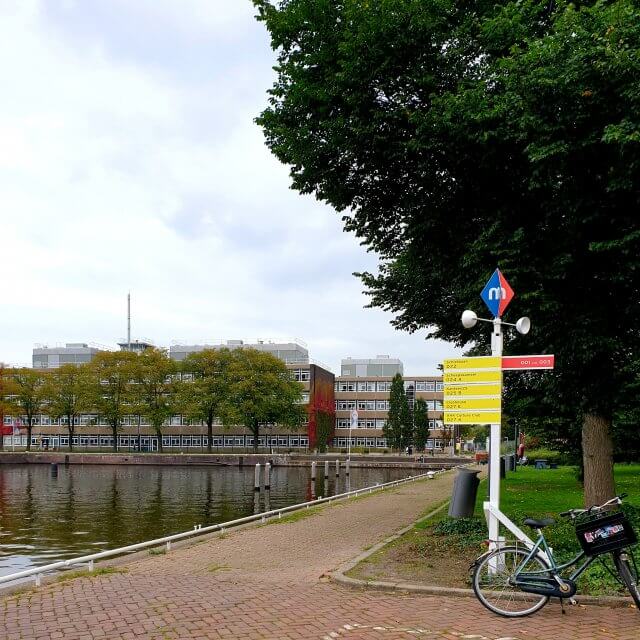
[
  {"x": 438, "y": 551},
  {"x": 545, "y": 492}
]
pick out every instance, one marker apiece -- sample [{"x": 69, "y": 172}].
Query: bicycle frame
[{"x": 543, "y": 549}]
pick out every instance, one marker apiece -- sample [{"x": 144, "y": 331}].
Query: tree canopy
[{"x": 455, "y": 137}]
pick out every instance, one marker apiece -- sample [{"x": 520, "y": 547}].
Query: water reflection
[{"x": 46, "y": 517}]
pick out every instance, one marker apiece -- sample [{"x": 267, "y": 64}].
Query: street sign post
[
  {"x": 353, "y": 424},
  {"x": 481, "y": 384}
]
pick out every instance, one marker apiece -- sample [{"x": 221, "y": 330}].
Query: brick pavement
[{"x": 268, "y": 582}]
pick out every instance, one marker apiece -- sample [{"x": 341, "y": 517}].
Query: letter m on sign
[{"x": 497, "y": 294}]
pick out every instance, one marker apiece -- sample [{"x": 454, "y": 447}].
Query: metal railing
[{"x": 38, "y": 572}]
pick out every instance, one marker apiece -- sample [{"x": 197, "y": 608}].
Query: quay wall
[{"x": 223, "y": 460}]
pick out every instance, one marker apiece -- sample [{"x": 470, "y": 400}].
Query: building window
[
  {"x": 366, "y": 386},
  {"x": 366, "y": 405},
  {"x": 439, "y": 386},
  {"x": 438, "y": 405},
  {"x": 347, "y": 386},
  {"x": 305, "y": 374},
  {"x": 430, "y": 386},
  {"x": 384, "y": 386},
  {"x": 382, "y": 405}
]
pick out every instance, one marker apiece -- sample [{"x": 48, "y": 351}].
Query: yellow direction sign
[
  {"x": 472, "y": 417},
  {"x": 466, "y": 377},
  {"x": 481, "y": 362},
  {"x": 472, "y": 404},
  {"x": 462, "y": 390}
]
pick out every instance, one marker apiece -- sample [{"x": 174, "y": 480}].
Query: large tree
[
  {"x": 112, "y": 374},
  {"x": 262, "y": 392},
  {"x": 398, "y": 426},
  {"x": 68, "y": 394},
  {"x": 154, "y": 389},
  {"x": 421, "y": 424},
  {"x": 204, "y": 396},
  {"x": 455, "y": 137}
]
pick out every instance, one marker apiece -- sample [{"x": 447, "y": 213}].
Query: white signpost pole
[
  {"x": 494, "y": 447},
  {"x": 353, "y": 424}
]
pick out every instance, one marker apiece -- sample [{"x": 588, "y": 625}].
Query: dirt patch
[{"x": 428, "y": 554}]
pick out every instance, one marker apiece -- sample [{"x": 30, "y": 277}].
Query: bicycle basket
[{"x": 605, "y": 533}]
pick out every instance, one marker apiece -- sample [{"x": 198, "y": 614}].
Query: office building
[
  {"x": 45, "y": 357},
  {"x": 364, "y": 385}
]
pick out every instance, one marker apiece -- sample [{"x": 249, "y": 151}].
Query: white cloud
[{"x": 117, "y": 175}]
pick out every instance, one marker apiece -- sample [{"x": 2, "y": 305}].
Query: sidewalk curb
[{"x": 339, "y": 576}]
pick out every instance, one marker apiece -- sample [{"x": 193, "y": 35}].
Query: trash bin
[
  {"x": 509, "y": 463},
  {"x": 463, "y": 498},
  {"x": 503, "y": 468}
]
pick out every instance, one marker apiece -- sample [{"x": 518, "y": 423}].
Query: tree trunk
[
  {"x": 597, "y": 455},
  {"x": 256, "y": 433},
  {"x": 71, "y": 429},
  {"x": 210, "y": 434},
  {"x": 159, "y": 434},
  {"x": 29, "y": 427},
  {"x": 114, "y": 430}
]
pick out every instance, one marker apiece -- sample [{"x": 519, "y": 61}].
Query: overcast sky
[{"x": 129, "y": 160}]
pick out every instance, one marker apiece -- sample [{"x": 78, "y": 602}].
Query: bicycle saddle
[{"x": 538, "y": 524}]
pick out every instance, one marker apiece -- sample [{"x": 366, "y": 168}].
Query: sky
[{"x": 129, "y": 161}]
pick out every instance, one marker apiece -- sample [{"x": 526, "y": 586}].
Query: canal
[{"x": 46, "y": 517}]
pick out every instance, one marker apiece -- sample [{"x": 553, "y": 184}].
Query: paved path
[{"x": 267, "y": 582}]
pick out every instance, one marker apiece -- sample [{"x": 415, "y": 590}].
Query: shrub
[{"x": 557, "y": 457}]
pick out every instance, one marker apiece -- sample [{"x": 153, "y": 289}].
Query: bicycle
[{"x": 515, "y": 581}]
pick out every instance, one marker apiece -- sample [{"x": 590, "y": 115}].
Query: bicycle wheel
[
  {"x": 627, "y": 570},
  {"x": 492, "y": 586}
]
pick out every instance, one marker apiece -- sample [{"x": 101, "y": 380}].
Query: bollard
[
  {"x": 337, "y": 468},
  {"x": 267, "y": 475},
  {"x": 326, "y": 469},
  {"x": 346, "y": 466},
  {"x": 256, "y": 481},
  {"x": 313, "y": 470}
]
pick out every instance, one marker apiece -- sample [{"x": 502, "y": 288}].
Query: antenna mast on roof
[{"x": 129, "y": 321}]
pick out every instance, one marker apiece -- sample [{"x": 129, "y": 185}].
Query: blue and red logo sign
[{"x": 497, "y": 294}]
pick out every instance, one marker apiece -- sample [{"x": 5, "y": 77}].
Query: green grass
[
  {"x": 85, "y": 573},
  {"x": 294, "y": 517},
  {"x": 545, "y": 492},
  {"x": 537, "y": 493}
]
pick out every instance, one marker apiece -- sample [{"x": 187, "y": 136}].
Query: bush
[{"x": 557, "y": 457}]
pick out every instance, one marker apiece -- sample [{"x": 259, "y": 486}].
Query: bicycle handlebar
[{"x": 574, "y": 513}]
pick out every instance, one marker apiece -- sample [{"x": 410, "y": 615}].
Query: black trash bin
[
  {"x": 503, "y": 468},
  {"x": 509, "y": 463},
  {"x": 465, "y": 489}
]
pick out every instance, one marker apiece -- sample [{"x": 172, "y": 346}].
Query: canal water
[{"x": 46, "y": 517}]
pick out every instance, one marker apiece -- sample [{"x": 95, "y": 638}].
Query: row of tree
[
  {"x": 238, "y": 387},
  {"x": 403, "y": 426}
]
